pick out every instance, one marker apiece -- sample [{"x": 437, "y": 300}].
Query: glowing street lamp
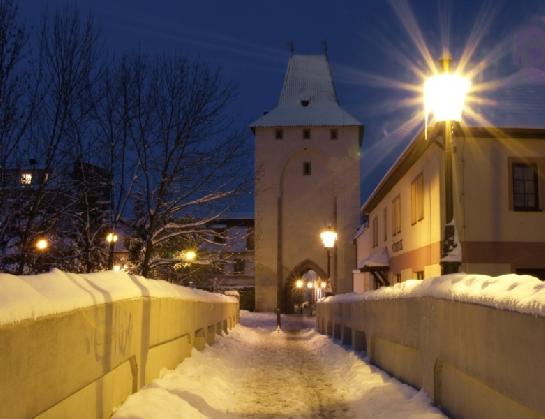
[
  {"x": 445, "y": 93},
  {"x": 41, "y": 245},
  {"x": 323, "y": 284},
  {"x": 444, "y": 97},
  {"x": 111, "y": 238},
  {"x": 310, "y": 285},
  {"x": 299, "y": 283},
  {"x": 189, "y": 256},
  {"x": 329, "y": 237}
]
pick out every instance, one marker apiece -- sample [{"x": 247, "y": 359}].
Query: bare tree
[
  {"x": 144, "y": 143},
  {"x": 14, "y": 112},
  {"x": 188, "y": 154},
  {"x": 63, "y": 69}
]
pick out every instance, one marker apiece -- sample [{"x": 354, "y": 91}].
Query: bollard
[{"x": 278, "y": 320}]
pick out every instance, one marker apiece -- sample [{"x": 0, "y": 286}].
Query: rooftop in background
[{"x": 308, "y": 97}]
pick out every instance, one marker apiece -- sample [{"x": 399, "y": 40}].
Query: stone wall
[
  {"x": 85, "y": 362},
  {"x": 472, "y": 360}
]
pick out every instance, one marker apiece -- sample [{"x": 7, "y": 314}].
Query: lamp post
[
  {"x": 444, "y": 97},
  {"x": 189, "y": 256},
  {"x": 111, "y": 238},
  {"x": 329, "y": 237},
  {"x": 42, "y": 246}
]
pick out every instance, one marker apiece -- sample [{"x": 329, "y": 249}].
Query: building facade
[
  {"x": 306, "y": 178},
  {"x": 498, "y": 191}
]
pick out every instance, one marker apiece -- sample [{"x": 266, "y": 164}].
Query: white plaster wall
[
  {"x": 414, "y": 236},
  {"x": 307, "y": 204}
]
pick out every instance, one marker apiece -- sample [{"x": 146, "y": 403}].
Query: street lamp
[
  {"x": 444, "y": 97},
  {"x": 189, "y": 256},
  {"x": 41, "y": 245},
  {"x": 111, "y": 238},
  {"x": 329, "y": 237},
  {"x": 299, "y": 283}
]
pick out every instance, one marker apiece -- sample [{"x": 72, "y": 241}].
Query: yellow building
[
  {"x": 307, "y": 177},
  {"x": 498, "y": 194}
]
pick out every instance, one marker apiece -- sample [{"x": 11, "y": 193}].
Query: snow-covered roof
[
  {"x": 308, "y": 97},
  {"x": 377, "y": 259}
]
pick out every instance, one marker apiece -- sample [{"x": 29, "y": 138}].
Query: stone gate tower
[{"x": 307, "y": 176}]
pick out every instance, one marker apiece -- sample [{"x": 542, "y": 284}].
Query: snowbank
[
  {"x": 34, "y": 296},
  {"x": 521, "y": 293}
]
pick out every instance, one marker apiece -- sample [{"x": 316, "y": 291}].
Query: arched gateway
[{"x": 292, "y": 295}]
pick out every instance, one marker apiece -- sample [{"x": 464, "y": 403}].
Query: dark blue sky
[{"x": 366, "y": 39}]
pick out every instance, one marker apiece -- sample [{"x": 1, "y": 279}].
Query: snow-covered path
[{"x": 256, "y": 372}]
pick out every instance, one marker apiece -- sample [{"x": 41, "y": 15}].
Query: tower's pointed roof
[{"x": 308, "y": 97}]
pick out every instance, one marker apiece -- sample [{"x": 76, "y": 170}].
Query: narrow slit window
[
  {"x": 334, "y": 134},
  {"x": 306, "y": 134},
  {"x": 307, "y": 168},
  {"x": 278, "y": 134}
]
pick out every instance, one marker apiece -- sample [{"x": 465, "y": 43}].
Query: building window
[
  {"x": 396, "y": 216},
  {"x": 385, "y": 218},
  {"x": 250, "y": 242},
  {"x": 417, "y": 199},
  {"x": 525, "y": 187},
  {"x": 26, "y": 179},
  {"x": 307, "y": 168},
  {"x": 278, "y": 134},
  {"x": 420, "y": 275},
  {"x": 334, "y": 134},
  {"x": 219, "y": 236},
  {"x": 398, "y": 278},
  {"x": 375, "y": 232},
  {"x": 306, "y": 134},
  {"x": 238, "y": 267}
]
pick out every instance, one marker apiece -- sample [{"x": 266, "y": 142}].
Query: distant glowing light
[
  {"x": 111, "y": 238},
  {"x": 310, "y": 285},
  {"x": 299, "y": 283},
  {"x": 328, "y": 236},
  {"x": 323, "y": 284},
  {"x": 445, "y": 95},
  {"x": 189, "y": 255},
  {"x": 26, "y": 178},
  {"x": 42, "y": 244}
]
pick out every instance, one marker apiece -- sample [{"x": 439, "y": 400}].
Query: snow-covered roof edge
[{"x": 412, "y": 152}]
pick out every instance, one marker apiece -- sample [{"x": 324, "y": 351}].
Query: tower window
[
  {"x": 307, "y": 168},
  {"x": 333, "y": 134},
  {"x": 278, "y": 134},
  {"x": 306, "y": 134}
]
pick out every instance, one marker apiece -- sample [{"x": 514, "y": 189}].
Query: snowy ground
[{"x": 256, "y": 372}]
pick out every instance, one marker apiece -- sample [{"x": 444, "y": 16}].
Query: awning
[{"x": 377, "y": 259}]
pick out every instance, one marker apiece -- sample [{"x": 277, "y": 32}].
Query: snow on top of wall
[
  {"x": 521, "y": 293},
  {"x": 34, "y": 296}
]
